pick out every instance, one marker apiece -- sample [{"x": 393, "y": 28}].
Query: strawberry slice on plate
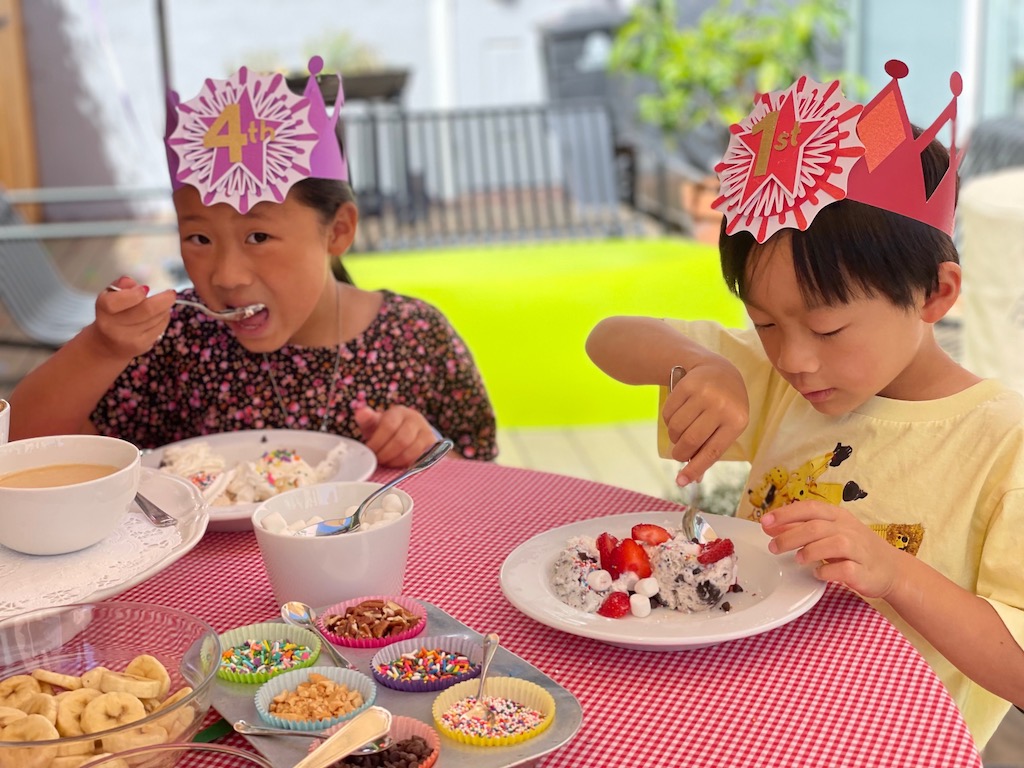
[
  {"x": 631, "y": 557},
  {"x": 715, "y": 550},
  {"x": 606, "y": 544},
  {"x": 615, "y": 606},
  {"x": 649, "y": 533}
]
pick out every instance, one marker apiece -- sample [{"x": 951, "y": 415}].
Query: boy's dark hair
[
  {"x": 326, "y": 196},
  {"x": 852, "y": 248}
]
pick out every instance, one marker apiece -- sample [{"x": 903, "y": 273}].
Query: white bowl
[
  {"x": 66, "y": 518},
  {"x": 324, "y": 570}
]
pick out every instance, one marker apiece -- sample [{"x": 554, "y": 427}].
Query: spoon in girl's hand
[
  {"x": 227, "y": 315},
  {"x": 427, "y": 459}
]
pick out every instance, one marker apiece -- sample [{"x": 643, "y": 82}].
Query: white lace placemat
[{"x": 41, "y": 581}]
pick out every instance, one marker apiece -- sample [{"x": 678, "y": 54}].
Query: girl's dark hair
[
  {"x": 852, "y": 248},
  {"x": 326, "y": 196}
]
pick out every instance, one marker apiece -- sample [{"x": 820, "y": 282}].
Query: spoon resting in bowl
[
  {"x": 301, "y": 615},
  {"x": 227, "y": 315}
]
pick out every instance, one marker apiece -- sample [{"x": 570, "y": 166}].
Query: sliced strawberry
[
  {"x": 715, "y": 550},
  {"x": 615, "y": 606},
  {"x": 606, "y": 544},
  {"x": 634, "y": 558},
  {"x": 649, "y": 533}
]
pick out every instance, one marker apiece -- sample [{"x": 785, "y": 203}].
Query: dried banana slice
[
  {"x": 150, "y": 668},
  {"x": 18, "y": 689},
  {"x": 9, "y": 714},
  {"x": 122, "y": 682},
  {"x": 70, "y": 706},
  {"x": 142, "y": 736},
  {"x": 67, "y": 682},
  {"x": 42, "y": 704},
  {"x": 28, "y": 728},
  {"x": 176, "y": 723},
  {"x": 92, "y": 678},
  {"x": 110, "y": 710}
]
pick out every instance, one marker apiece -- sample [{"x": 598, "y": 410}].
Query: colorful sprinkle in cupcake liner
[
  {"x": 267, "y": 633},
  {"x": 511, "y": 689},
  {"x": 289, "y": 681},
  {"x": 460, "y": 645},
  {"x": 412, "y": 606},
  {"x": 403, "y": 728}
]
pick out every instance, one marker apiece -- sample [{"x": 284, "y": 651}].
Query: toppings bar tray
[{"x": 235, "y": 701}]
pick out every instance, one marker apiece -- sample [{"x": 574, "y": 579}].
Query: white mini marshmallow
[
  {"x": 629, "y": 580},
  {"x": 639, "y": 605},
  {"x": 274, "y": 522},
  {"x": 599, "y": 581},
  {"x": 647, "y": 587},
  {"x": 392, "y": 503}
]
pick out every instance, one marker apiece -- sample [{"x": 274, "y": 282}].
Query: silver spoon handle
[
  {"x": 333, "y": 652},
  {"x": 491, "y": 644},
  {"x": 249, "y": 729},
  {"x": 156, "y": 515},
  {"x": 426, "y": 460}
]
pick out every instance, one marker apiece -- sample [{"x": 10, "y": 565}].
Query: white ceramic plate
[
  {"x": 776, "y": 589},
  {"x": 134, "y": 552},
  {"x": 357, "y": 463}
]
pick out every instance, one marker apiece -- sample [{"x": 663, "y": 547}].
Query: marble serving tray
[{"x": 234, "y": 701}]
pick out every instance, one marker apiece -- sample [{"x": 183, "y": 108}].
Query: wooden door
[{"x": 17, "y": 137}]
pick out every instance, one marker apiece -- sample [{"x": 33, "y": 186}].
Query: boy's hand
[
  {"x": 398, "y": 435},
  {"x": 705, "y": 413},
  {"x": 129, "y": 322},
  {"x": 845, "y": 549}
]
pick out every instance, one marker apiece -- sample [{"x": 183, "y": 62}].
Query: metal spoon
[
  {"x": 301, "y": 615},
  {"x": 368, "y": 725},
  {"x": 481, "y": 710},
  {"x": 695, "y": 527},
  {"x": 251, "y": 729},
  {"x": 347, "y": 524},
  {"x": 227, "y": 315},
  {"x": 156, "y": 516}
]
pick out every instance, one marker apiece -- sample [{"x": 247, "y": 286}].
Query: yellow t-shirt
[{"x": 942, "y": 479}]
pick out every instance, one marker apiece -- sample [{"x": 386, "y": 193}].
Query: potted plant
[
  {"x": 705, "y": 76},
  {"x": 366, "y": 76}
]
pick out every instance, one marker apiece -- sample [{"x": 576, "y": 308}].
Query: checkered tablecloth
[{"x": 837, "y": 687}]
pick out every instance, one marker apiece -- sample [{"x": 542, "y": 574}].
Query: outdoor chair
[{"x": 42, "y": 305}]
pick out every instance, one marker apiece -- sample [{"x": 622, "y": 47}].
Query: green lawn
[{"x": 525, "y": 312}]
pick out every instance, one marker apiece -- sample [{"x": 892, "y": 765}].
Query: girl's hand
[
  {"x": 398, "y": 435},
  {"x": 705, "y": 413},
  {"x": 845, "y": 550},
  {"x": 129, "y": 322}
]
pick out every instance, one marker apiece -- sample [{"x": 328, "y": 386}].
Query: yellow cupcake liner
[
  {"x": 290, "y": 680},
  {"x": 269, "y": 632},
  {"x": 402, "y": 728},
  {"x": 522, "y": 692}
]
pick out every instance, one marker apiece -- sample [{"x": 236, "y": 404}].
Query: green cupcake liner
[{"x": 268, "y": 632}]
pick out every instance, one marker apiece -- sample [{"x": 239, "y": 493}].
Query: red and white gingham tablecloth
[{"x": 839, "y": 686}]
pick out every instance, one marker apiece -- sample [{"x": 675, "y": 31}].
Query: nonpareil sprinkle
[
  {"x": 255, "y": 657},
  {"x": 426, "y": 665},
  {"x": 511, "y": 718}
]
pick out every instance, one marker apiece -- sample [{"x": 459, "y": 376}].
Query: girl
[
  {"x": 876, "y": 458},
  {"x": 321, "y": 355}
]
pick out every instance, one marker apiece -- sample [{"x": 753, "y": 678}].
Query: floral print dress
[{"x": 199, "y": 380}]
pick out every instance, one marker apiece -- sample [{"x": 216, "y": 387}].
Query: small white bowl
[
  {"x": 324, "y": 570},
  {"x": 66, "y": 518}
]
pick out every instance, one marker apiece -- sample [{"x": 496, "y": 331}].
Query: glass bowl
[
  {"x": 102, "y": 678},
  {"x": 182, "y": 756}
]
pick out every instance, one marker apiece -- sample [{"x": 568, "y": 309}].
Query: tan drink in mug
[{"x": 5, "y": 421}]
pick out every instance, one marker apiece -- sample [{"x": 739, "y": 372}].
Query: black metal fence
[{"x": 440, "y": 178}]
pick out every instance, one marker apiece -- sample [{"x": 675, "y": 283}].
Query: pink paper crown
[
  {"x": 806, "y": 147},
  {"x": 248, "y": 139}
]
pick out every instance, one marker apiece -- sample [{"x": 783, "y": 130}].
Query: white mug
[{"x": 5, "y": 421}]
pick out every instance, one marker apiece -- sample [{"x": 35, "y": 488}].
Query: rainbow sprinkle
[
  {"x": 426, "y": 665},
  {"x": 511, "y": 718},
  {"x": 261, "y": 656}
]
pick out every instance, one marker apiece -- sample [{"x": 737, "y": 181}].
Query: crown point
[
  {"x": 316, "y": 65},
  {"x": 896, "y": 69},
  {"x": 956, "y": 84}
]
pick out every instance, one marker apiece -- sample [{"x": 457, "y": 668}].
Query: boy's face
[
  {"x": 837, "y": 357},
  {"x": 276, "y": 254}
]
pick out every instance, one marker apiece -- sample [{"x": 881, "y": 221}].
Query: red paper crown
[{"x": 806, "y": 147}]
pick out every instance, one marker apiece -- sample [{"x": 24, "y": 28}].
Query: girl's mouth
[{"x": 251, "y": 326}]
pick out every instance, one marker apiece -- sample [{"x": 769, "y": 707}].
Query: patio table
[{"x": 839, "y": 686}]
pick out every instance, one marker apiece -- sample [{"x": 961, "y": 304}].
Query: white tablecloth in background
[{"x": 992, "y": 227}]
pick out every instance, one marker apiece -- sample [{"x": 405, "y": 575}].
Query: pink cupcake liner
[
  {"x": 410, "y": 605},
  {"x": 466, "y": 646},
  {"x": 403, "y": 728}
]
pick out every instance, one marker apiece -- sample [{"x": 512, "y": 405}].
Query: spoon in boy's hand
[
  {"x": 695, "y": 527},
  {"x": 227, "y": 315}
]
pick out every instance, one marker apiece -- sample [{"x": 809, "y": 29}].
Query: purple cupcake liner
[
  {"x": 460, "y": 644},
  {"x": 410, "y": 605}
]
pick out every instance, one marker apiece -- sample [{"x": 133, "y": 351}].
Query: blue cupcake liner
[{"x": 289, "y": 681}]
